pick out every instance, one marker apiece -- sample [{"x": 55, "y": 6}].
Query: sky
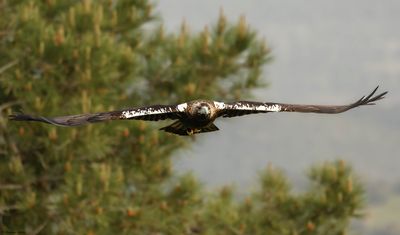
[{"x": 325, "y": 52}]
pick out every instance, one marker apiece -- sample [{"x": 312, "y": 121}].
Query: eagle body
[
  {"x": 200, "y": 113},
  {"x": 197, "y": 116}
]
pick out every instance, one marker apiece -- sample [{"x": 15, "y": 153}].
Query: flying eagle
[{"x": 199, "y": 115}]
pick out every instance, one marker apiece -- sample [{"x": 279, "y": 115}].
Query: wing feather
[
  {"x": 248, "y": 107},
  {"x": 149, "y": 113}
]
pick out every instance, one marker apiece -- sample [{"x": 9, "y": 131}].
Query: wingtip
[
  {"x": 21, "y": 117},
  {"x": 16, "y": 117},
  {"x": 382, "y": 94},
  {"x": 371, "y": 98}
]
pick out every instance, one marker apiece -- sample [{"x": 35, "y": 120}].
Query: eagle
[{"x": 197, "y": 116}]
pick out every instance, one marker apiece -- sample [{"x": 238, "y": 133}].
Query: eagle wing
[
  {"x": 149, "y": 113},
  {"x": 248, "y": 107}
]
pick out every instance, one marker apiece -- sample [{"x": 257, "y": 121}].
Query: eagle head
[{"x": 202, "y": 110}]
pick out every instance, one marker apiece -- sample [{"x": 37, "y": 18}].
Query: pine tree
[{"x": 67, "y": 57}]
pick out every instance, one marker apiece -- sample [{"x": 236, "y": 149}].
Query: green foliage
[
  {"x": 334, "y": 197},
  {"x": 66, "y": 57}
]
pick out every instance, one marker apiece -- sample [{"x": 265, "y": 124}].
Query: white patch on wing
[
  {"x": 219, "y": 105},
  {"x": 143, "y": 112},
  {"x": 182, "y": 107},
  {"x": 263, "y": 107},
  {"x": 274, "y": 108}
]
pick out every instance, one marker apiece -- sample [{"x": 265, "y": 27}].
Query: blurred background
[
  {"x": 325, "y": 52},
  {"x": 69, "y": 57}
]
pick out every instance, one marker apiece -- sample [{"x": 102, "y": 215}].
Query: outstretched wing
[
  {"x": 149, "y": 113},
  {"x": 248, "y": 107}
]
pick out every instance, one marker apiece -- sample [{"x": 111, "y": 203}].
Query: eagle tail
[
  {"x": 176, "y": 128},
  {"x": 180, "y": 129},
  {"x": 209, "y": 128}
]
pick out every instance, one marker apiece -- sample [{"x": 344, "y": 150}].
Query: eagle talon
[{"x": 190, "y": 131}]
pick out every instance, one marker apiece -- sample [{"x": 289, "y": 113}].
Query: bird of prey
[{"x": 199, "y": 115}]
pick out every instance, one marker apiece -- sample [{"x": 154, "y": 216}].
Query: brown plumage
[{"x": 199, "y": 115}]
